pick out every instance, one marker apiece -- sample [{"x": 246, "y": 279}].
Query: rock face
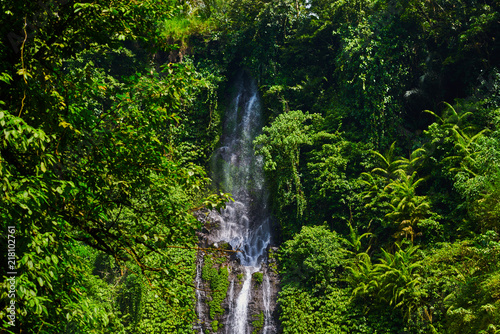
[
  {"x": 239, "y": 236},
  {"x": 262, "y": 311},
  {"x": 264, "y": 318}
]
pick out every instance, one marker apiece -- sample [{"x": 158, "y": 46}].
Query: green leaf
[{"x": 40, "y": 281}]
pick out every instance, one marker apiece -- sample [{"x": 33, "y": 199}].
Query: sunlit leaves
[
  {"x": 468, "y": 158},
  {"x": 407, "y": 207},
  {"x": 314, "y": 258},
  {"x": 93, "y": 157},
  {"x": 280, "y": 146},
  {"x": 395, "y": 280},
  {"x": 392, "y": 189}
]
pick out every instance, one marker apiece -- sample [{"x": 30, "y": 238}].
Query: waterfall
[
  {"x": 239, "y": 314},
  {"x": 266, "y": 291},
  {"x": 231, "y": 299},
  {"x": 199, "y": 309},
  {"x": 245, "y": 223}
]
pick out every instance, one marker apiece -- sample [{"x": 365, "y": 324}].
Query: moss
[
  {"x": 272, "y": 264},
  {"x": 274, "y": 268},
  {"x": 215, "y": 326},
  {"x": 258, "y": 323},
  {"x": 258, "y": 277},
  {"x": 240, "y": 277},
  {"x": 218, "y": 284},
  {"x": 270, "y": 254},
  {"x": 224, "y": 245}
]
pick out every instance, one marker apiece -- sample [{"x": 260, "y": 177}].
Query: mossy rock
[
  {"x": 258, "y": 323},
  {"x": 258, "y": 277},
  {"x": 218, "y": 279},
  {"x": 215, "y": 326},
  {"x": 225, "y": 245},
  {"x": 240, "y": 277}
]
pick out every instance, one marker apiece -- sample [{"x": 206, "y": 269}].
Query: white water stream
[
  {"x": 198, "y": 294},
  {"x": 266, "y": 290}
]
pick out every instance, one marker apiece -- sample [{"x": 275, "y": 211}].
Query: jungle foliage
[
  {"x": 102, "y": 167},
  {"x": 360, "y": 143}
]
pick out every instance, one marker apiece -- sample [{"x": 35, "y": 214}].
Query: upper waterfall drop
[{"x": 236, "y": 169}]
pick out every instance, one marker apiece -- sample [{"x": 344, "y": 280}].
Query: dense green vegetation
[
  {"x": 385, "y": 195},
  {"x": 102, "y": 154},
  {"x": 381, "y": 147},
  {"x": 217, "y": 279}
]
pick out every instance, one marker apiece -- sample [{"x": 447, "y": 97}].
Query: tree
[
  {"x": 408, "y": 209},
  {"x": 280, "y": 146},
  {"x": 465, "y": 153},
  {"x": 394, "y": 281},
  {"x": 88, "y": 157}
]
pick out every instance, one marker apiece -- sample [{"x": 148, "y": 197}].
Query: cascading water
[
  {"x": 244, "y": 223},
  {"x": 266, "y": 290},
  {"x": 199, "y": 309}
]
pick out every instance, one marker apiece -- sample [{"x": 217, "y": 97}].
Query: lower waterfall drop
[
  {"x": 240, "y": 312},
  {"x": 198, "y": 294},
  {"x": 266, "y": 296},
  {"x": 245, "y": 223}
]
